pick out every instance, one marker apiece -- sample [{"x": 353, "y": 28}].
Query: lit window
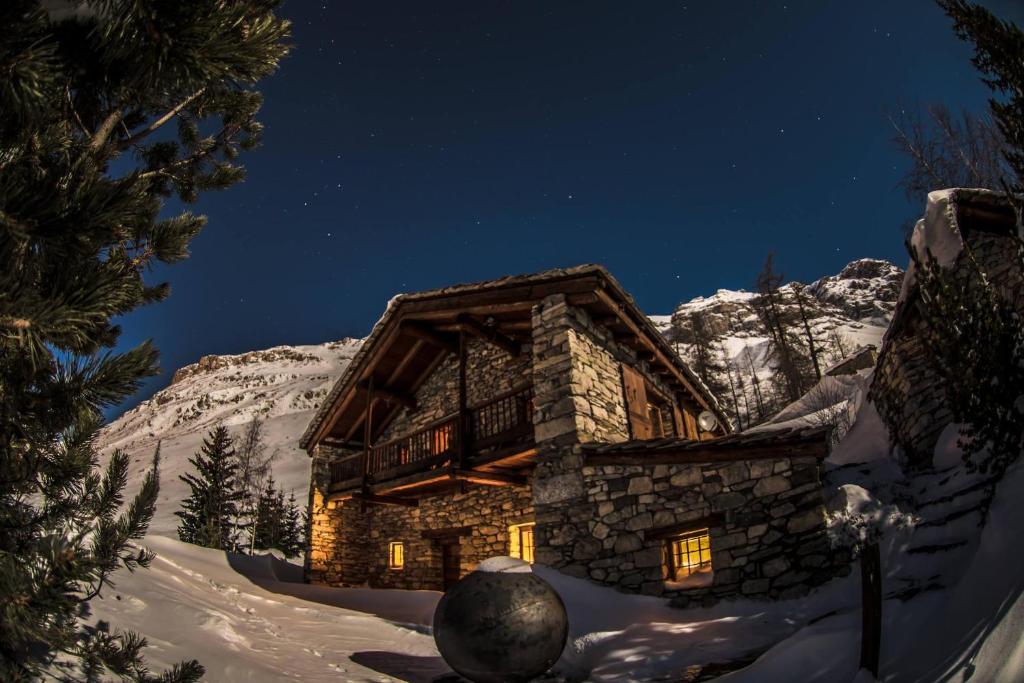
[
  {"x": 520, "y": 541},
  {"x": 396, "y": 555},
  {"x": 689, "y": 554}
]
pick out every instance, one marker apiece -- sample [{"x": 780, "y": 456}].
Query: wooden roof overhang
[{"x": 418, "y": 330}]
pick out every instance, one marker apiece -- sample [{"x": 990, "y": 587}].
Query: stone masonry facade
[
  {"x": 765, "y": 517},
  {"x": 605, "y": 523},
  {"x": 909, "y": 395}
]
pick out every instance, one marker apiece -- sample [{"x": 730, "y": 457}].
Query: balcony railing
[{"x": 501, "y": 422}]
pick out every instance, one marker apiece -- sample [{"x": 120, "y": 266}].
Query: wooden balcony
[{"x": 500, "y": 427}]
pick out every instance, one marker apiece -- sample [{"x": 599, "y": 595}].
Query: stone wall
[
  {"x": 488, "y": 510},
  {"x": 350, "y": 544},
  {"x": 578, "y": 398},
  {"x": 909, "y": 395},
  {"x": 765, "y": 519},
  {"x": 490, "y": 371}
]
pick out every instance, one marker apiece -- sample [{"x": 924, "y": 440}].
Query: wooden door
[{"x": 451, "y": 562}]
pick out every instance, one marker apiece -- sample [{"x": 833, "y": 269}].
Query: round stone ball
[{"x": 501, "y": 623}]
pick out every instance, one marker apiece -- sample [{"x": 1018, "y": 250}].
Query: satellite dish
[{"x": 707, "y": 421}]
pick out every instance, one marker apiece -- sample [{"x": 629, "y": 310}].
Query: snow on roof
[{"x": 940, "y": 233}]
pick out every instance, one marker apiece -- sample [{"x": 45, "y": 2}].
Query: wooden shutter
[
  {"x": 636, "y": 403},
  {"x": 680, "y": 425},
  {"x": 691, "y": 425}
]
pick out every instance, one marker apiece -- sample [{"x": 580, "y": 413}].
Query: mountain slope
[
  {"x": 845, "y": 311},
  {"x": 285, "y": 384}
]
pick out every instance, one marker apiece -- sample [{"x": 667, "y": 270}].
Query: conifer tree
[
  {"x": 704, "y": 359},
  {"x": 813, "y": 347},
  {"x": 208, "y": 514},
  {"x": 102, "y": 104},
  {"x": 786, "y": 359},
  {"x": 269, "y": 517},
  {"x": 294, "y": 535}
]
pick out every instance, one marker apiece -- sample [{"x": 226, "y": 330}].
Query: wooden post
[
  {"x": 463, "y": 413},
  {"x": 367, "y": 430},
  {"x": 871, "y": 607}
]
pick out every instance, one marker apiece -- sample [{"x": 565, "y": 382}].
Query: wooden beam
[
  {"x": 391, "y": 395},
  {"x": 463, "y": 427},
  {"x": 712, "y": 520},
  {"x": 490, "y": 478},
  {"x": 420, "y": 330},
  {"x": 490, "y": 334},
  {"x": 710, "y": 454},
  {"x": 347, "y": 396},
  {"x": 583, "y": 299},
  {"x": 342, "y": 443},
  {"x": 368, "y": 426},
  {"x": 404, "y": 363},
  {"x": 380, "y": 499},
  {"x": 450, "y": 532},
  {"x": 427, "y": 372}
]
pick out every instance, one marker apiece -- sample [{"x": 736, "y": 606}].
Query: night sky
[{"x": 414, "y": 145}]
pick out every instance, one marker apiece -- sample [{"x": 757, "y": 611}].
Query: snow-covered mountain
[
  {"x": 845, "y": 311},
  {"x": 285, "y": 384}
]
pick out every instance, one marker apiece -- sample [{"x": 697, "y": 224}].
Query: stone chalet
[{"x": 543, "y": 416}]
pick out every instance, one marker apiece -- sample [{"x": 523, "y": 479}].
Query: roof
[
  {"x": 505, "y": 300},
  {"x": 768, "y": 443}
]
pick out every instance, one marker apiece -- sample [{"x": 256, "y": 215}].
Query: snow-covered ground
[{"x": 952, "y": 610}]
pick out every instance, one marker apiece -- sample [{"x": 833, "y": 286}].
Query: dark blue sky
[{"x": 413, "y": 145}]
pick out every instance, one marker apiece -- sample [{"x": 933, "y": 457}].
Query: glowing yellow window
[
  {"x": 689, "y": 554},
  {"x": 396, "y": 555},
  {"x": 520, "y": 541}
]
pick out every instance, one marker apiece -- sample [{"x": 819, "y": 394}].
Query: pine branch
[{"x": 136, "y": 138}]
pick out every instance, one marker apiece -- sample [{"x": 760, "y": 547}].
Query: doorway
[{"x": 451, "y": 561}]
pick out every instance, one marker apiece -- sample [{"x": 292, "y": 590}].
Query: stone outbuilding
[
  {"x": 543, "y": 416},
  {"x": 959, "y": 224}
]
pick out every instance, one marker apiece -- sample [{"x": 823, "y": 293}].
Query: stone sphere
[{"x": 498, "y": 626}]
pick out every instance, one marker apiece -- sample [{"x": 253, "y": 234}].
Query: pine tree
[
  {"x": 703, "y": 357},
  {"x": 269, "y": 520},
  {"x": 208, "y": 514},
  {"x": 293, "y": 540},
  {"x": 762, "y": 409},
  {"x": 813, "y": 347},
  {"x": 87, "y": 160},
  {"x": 782, "y": 350}
]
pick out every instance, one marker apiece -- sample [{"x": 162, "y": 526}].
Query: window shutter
[
  {"x": 680, "y": 425},
  {"x": 636, "y": 403},
  {"x": 691, "y": 425}
]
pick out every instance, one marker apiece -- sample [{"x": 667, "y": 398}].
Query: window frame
[
  {"x": 517, "y": 549},
  {"x": 394, "y": 564},
  {"x": 702, "y": 566}
]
